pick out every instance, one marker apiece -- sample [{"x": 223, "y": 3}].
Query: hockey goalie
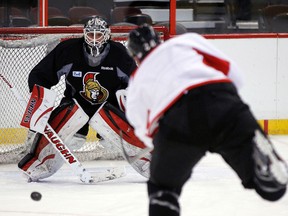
[
  {"x": 42, "y": 160},
  {"x": 94, "y": 68}
]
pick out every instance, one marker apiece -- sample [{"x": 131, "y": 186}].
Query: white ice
[{"x": 213, "y": 190}]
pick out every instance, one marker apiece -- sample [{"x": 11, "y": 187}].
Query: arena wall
[{"x": 264, "y": 62}]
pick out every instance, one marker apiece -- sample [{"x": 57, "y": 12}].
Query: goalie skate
[{"x": 271, "y": 171}]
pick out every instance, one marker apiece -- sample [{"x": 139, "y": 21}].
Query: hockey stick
[{"x": 67, "y": 155}]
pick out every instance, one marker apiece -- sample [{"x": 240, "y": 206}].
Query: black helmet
[
  {"x": 96, "y": 34},
  {"x": 142, "y": 40}
]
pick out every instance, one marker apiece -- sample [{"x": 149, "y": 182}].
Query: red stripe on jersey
[
  {"x": 215, "y": 62},
  {"x": 133, "y": 73}
]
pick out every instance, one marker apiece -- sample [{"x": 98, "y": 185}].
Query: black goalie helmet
[
  {"x": 142, "y": 40},
  {"x": 96, "y": 34}
]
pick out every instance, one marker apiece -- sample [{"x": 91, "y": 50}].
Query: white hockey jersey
[{"x": 174, "y": 67}]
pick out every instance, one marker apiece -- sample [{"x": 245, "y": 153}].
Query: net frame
[{"x": 15, "y": 46}]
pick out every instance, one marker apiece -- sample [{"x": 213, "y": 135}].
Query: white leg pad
[
  {"x": 108, "y": 124},
  {"x": 43, "y": 161}
]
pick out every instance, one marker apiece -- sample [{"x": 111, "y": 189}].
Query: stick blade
[{"x": 110, "y": 174}]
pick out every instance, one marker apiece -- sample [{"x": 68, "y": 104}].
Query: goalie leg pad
[
  {"x": 32, "y": 137},
  {"x": 108, "y": 121},
  {"x": 43, "y": 160}
]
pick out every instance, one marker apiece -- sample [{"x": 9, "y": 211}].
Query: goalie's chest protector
[{"x": 92, "y": 86}]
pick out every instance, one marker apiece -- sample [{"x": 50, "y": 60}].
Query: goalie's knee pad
[
  {"x": 43, "y": 160},
  {"x": 271, "y": 175},
  {"x": 108, "y": 121},
  {"x": 36, "y": 168}
]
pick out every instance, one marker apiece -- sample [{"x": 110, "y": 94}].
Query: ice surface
[{"x": 213, "y": 190}]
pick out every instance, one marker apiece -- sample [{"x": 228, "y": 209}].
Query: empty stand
[
  {"x": 268, "y": 13},
  {"x": 80, "y": 14},
  {"x": 118, "y": 14},
  {"x": 279, "y": 23},
  {"x": 139, "y": 19},
  {"x": 55, "y": 17},
  {"x": 16, "y": 17}
]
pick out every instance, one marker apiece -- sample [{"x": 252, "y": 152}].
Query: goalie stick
[{"x": 71, "y": 161}]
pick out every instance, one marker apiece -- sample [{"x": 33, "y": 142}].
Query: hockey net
[{"x": 20, "y": 50}]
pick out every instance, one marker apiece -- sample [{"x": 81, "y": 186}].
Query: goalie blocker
[{"x": 113, "y": 126}]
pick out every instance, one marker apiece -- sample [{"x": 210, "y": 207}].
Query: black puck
[{"x": 36, "y": 196}]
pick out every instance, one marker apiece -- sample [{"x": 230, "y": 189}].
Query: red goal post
[{"x": 20, "y": 50}]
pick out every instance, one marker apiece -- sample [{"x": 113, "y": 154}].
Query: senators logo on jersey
[{"x": 92, "y": 89}]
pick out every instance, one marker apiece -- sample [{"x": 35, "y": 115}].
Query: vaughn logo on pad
[{"x": 39, "y": 108}]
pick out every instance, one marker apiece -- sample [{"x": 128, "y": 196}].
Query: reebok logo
[{"x": 106, "y": 68}]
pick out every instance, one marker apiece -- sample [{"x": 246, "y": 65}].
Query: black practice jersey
[{"x": 90, "y": 86}]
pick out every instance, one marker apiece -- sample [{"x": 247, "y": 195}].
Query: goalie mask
[
  {"x": 141, "y": 41},
  {"x": 96, "y": 35}
]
